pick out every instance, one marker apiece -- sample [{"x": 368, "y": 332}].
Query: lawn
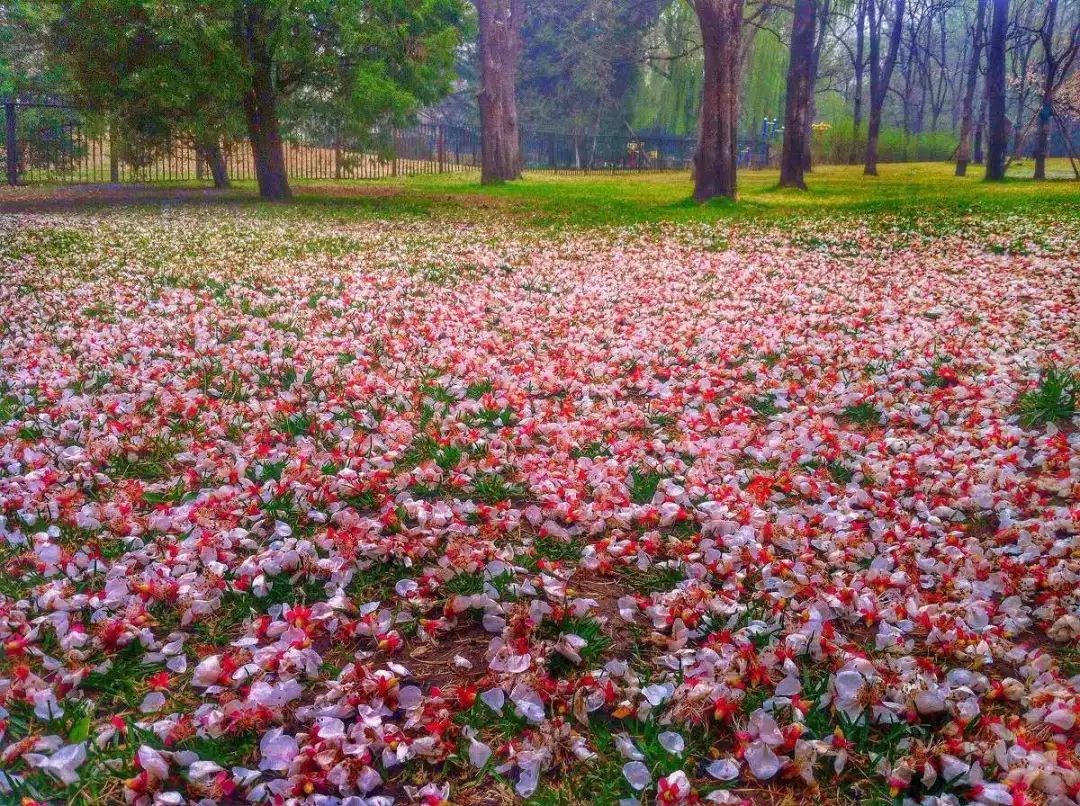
[
  {"x": 544, "y": 199},
  {"x": 914, "y": 191},
  {"x": 567, "y": 490}
]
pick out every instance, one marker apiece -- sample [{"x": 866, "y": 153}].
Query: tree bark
[
  {"x": 998, "y": 137},
  {"x": 978, "y": 156},
  {"x": 821, "y": 21},
  {"x": 715, "y": 162},
  {"x": 214, "y": 157},
  {"x": 260, "y": 107},
  {"x": 799, "y": 88},
  {"x": 880, "y": 76},
  {"x": 500, "y": 49},
  {"x": 963, "y": 151},
  {"x": 860, "y": 67},
  {"x": 1050, "y": 65}
]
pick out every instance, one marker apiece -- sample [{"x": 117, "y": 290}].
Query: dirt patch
[
  {"x": 433, "y": 662},
  {"x": 606, "y": 592}
]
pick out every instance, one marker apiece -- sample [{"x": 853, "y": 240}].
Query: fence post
[
  {"x": 441, "y": 148},
  {"x": 114, "y": 157},
  {"x": 11, "y": 143}
]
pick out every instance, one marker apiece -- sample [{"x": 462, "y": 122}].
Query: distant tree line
[
  {"x": 998, "y": 77},
  {"x": 931, "y": 64}
]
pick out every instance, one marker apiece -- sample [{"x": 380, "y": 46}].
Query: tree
[
  {"x": 858, "y": 59},
  {"x": 1021, "y": 41},
  {"x": 963, "y": 150},
  {"x": 1056, "y": 63},
  {"x": 821, "y": 21},
  {"x": 151, "y": 88},
  {"x": 880, "y": 74},
  {"x": 373, "y": 60},
  {"x": 500, "y": 48},
  {"x": 716, "y": 159},
  {"x": 800, "y": 86},
  {"x": 579, "y": 60},
  {"x": 24, "y": 62},
  {"x": 998, "y": 138},
  {"x": 668, "y": 89}
]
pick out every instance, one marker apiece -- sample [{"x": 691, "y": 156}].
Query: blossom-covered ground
[{"x": 296, "y": 511}]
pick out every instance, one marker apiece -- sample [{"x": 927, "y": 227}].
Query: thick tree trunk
[
  {"x": 998, "y": 138},
  {"x": 716, "y": 159},
  {"x": 500, "y": 48},
  {"x": 799, "y": 89},
  {"x": 260, "y": 107},
  {"x": 879, "y": 88},
  {"x": 963, "y": 151},
  {"x": 213, "y": 156},
  {"x": 860, "y": 66},
  {"x": 267, "y": 150}
]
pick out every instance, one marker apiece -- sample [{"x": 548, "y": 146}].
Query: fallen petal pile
[{"x": 303, "y": 511}]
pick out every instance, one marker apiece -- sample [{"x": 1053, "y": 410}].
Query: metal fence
[
  {"x": 561, "y": 152},
  {"x": 49, "y": 139}
]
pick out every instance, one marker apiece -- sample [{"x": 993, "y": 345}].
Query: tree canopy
[{"x": 197, "y": 67}]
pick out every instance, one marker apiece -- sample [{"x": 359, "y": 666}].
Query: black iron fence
[
  {"x": 561, "y": 152},
  {"x": 48, "y": 139}
]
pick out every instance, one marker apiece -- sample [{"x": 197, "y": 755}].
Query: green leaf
[{"x": 80, "y": 731}]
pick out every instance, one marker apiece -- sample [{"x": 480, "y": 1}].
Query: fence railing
[
  {"x": 48, "y": 139},
  {"x": 561, "y": 152}
]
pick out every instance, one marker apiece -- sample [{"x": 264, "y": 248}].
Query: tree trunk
[
  {"x": 907, "y": 97},
  {"x": 978, "y": 155},
  {"x": 860, "y": 66},
  {"x": 879, "y": 88},
  {"x": 799, "y": 88},
  {"x": 267, "y": 150},
  {"x": 260, "y": 106},
  {"x": 1042, "y": 139},
  {"x": 998, "y": 138},
  {"x": 500, "y": 48},
  {"x": 211, "y": 153},
  {"x": 1046, "y": 111},
  {"x": 963, "y": 151},
  {"x": 716, "y": 158},
  {"x": 821, "y": 22}
]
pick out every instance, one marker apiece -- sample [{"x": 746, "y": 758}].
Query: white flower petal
[{"x": 637, "y": 774}]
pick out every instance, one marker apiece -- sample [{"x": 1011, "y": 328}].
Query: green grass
[
  {"x": 491, "y": 488},
  {"x": 918, "y": 194},
  {"x": 914, "y": 190},
  {"x": 1053, "y": 400},
  {"x": 642, "y": 485},
  {"x": 861, "y": 413},
  {"x": 597, "y": 642}
]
